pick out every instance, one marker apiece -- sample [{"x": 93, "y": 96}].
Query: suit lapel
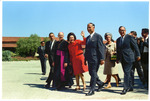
[{"x": 88, "y": 40}]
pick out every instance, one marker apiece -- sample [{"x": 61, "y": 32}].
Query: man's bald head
[{"x": 60, "y": 35}]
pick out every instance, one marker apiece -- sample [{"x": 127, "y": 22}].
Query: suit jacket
[
  {"x": 50, "y": 51},
  {"x": 94, "y": 51},
  {"x": 41, "y": 52},
  {"x": 127, "y": 48}
]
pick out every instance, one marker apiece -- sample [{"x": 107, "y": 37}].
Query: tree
[{"x": 28, "y": 46}]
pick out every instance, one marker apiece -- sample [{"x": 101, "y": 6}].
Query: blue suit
[
  {"x": 94, "y": 52},
  {"x": 126, "y": 53}
]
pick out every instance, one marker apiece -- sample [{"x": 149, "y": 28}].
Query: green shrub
[
  {"x": 6, "y": 55},
  {"x": 28, "y": 46}
]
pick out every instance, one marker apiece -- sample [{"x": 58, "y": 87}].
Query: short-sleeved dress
[{"x": 110, "y": 67}]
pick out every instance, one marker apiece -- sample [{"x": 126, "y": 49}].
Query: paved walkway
[{"x": 23, "y": 80}]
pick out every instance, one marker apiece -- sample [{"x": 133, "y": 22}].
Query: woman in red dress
[{"x": 77, "y": 58}]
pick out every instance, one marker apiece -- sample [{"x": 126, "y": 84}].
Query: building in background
[{"x": 9, "y": 43}]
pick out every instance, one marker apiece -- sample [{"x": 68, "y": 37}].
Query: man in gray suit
[
  {"x": 94, "y": 54},
  {"x": 126, "y": 46},
  {"x": 41, "y": 52}
]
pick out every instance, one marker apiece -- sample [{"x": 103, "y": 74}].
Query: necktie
[{"x": 89, "y": 39}]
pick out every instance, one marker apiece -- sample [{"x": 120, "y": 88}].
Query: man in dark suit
[
  {"x": 94, "y": 54},
  {"x": 49, "y": 53},
  {"x": 144, "y": 50},
  {"x": 41, "y": 52},
  {"x": 126, "y": 46},
  {"x": 137, "y": 65}
]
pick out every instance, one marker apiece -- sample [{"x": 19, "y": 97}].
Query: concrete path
[{"x": 23, "y": 80}]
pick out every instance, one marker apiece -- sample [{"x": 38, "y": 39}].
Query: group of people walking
[{"x": 68, "y": 59}]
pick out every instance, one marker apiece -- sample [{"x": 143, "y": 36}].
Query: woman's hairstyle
[
  {"x": 71, "y": 33},
  {"x": 106, "y": 34}
]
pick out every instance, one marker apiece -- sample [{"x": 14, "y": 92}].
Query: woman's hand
[
  {"x": 102, "y": 62},
  {"x": 82, "y": 34}
]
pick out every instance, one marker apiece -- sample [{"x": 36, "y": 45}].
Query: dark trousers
[
  {"x": 51, "y": 73},
  {"x": 43, "y": 65},
  {"x": 144, "y": 61},
  {"x": 127, "y": 66},
  {"x": 138, "y": 66},
  {"x": 93, "y": 68}
]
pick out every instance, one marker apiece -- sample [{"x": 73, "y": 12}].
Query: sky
[{"x": 23, "y": 18}]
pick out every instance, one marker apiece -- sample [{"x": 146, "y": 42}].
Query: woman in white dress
[{"x": 110, "y": 67}]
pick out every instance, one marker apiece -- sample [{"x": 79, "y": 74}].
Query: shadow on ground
[
  {"x": 34, "y": 73},
  {"x": 137, "y": 87}
]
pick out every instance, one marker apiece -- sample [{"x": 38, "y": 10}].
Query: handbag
[{"x": 113, "y": 57}]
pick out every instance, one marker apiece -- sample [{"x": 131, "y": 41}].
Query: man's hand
[
  {"x": 102, "y": 62},
  {"x": 85, "y": 62},
  {"x": 46, "y": 55},
  {"x": 53, "y": 64},
  {"x": 65, "y": 65},
  {"x": 138, "y": 59},
  {"x": 82, "y": 34},
  {"x": 142, "y": 39}
]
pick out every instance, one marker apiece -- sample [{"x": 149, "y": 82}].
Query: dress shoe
[
  {"x": 119, "y": 80},
  {"x": 90, "y": 93},
  {"x": 108, "y": 87},
  {"x": 43, "y": 73},
  {"x": 124, "y": 92},
  {"x": 131, "y": 89},
  {"x": 47, "y": 86},
  {"x": 100, "y": 87}
]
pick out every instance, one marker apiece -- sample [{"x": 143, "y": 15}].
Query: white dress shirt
[
  {"x": 52, "y": 43},
  {"x": 92, "y": 34}
]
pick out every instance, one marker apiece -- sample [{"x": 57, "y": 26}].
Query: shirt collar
[
  {"x": 123, "y": 36},
  {"x": 92, "y": 34},
  {"x": 146, "y": 37}
]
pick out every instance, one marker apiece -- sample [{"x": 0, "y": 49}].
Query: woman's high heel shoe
[
  {"x": 108, "y": 87},
  {"x": 84, "y": 87},
  {"x": 77, "y": 88},
  {"x": 117, "y": 84}
]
